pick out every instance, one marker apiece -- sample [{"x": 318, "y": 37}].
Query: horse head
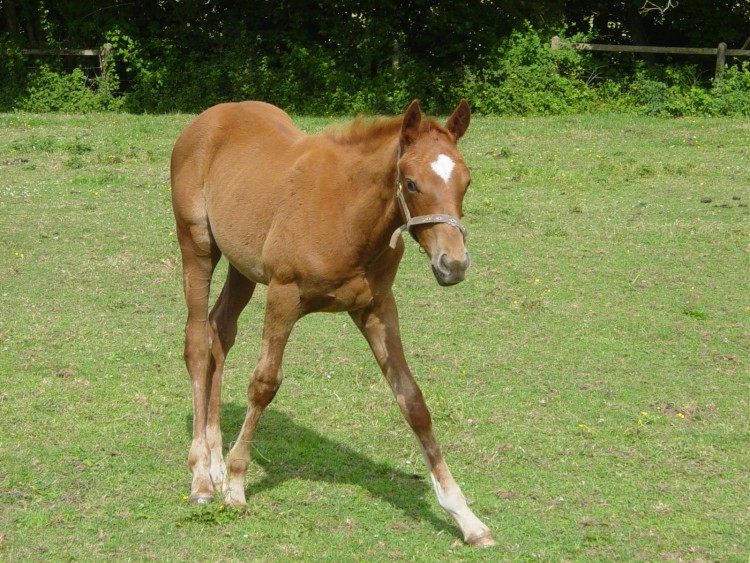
[{"x": 432, "y": 179}]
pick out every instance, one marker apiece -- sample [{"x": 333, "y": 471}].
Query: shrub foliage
[{"x": 514, "y": 72}]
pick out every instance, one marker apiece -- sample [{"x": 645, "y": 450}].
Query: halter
[{"x": 420, "y": 219}]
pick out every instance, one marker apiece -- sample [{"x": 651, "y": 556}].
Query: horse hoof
[
  {"x": 485, "y": 540},
  {"x": 236, "y": 504},
  {"x": 201, "y": 498}
]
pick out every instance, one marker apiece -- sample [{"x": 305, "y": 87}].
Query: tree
[{"x": 662, "y": 22}]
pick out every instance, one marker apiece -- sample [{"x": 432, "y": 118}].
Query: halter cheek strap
[{"x": 420, "y": 219}]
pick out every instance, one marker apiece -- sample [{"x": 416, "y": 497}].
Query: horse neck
[{"x": 374, "y": 214}]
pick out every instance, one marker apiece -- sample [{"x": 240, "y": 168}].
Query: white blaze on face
[{"x": 443, "y": 167}]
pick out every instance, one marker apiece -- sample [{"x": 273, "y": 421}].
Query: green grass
[{"x": 589, "y": 382}]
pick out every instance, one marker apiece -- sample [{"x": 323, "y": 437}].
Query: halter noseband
[{"x": 420, "y": 219}]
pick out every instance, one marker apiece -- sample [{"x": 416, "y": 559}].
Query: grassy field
[{"x": 589, "y": 382}]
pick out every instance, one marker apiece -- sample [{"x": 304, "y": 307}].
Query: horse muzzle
[{"x": 450, "y": 270}]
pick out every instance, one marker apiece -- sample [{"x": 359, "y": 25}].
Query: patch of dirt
[{"x": 506, "y": 495}]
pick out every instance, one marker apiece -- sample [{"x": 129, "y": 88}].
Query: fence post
[
  {"x": 104, "y": 64},
  {"x": 721, "y": 58}
]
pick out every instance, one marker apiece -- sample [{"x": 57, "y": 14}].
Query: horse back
[
  {"x": 243, "y": 170},
  {"x": 228, "y": 128},
  {"x": 226, "y": 150}
]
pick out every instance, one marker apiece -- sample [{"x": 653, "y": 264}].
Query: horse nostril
[{"x": 443, "y": 262}]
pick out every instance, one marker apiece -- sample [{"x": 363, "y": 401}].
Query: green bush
[
  {"x": 677, "y": 91},
  {"x": 300, "y": 79},
  {"x": 666, "y": 91},
  {"x": 731, "y": 93},
  {"x": 526, "y": 77},
  {"x": 523, "y": 76},
  {"x": 14, "y": 75},
  {"x": 72, "y": 92}
]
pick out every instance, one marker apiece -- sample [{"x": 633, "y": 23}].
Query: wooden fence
[
  {"x": 102, "y": 54},
  {"x": 721, "y": 52}
]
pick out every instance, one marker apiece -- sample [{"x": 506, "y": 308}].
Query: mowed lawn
[{"x": 589, "y": 381}]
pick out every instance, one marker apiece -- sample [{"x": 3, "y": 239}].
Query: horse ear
[
  {"x": 410, "y": 125},
  {"x": 459, "y": 120}
]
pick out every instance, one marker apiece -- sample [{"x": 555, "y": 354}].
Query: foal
[{"x": 318, "y": 220}]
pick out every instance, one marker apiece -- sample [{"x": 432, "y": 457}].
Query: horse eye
[{"x": 411, "y": 186}]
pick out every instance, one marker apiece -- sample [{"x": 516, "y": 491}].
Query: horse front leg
[
  {"x": 379, "y": 325},
  {"x": 282, "y": 311}
]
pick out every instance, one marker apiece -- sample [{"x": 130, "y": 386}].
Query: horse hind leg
[
  {"x": 235, "y": 295},
  {"x": 199, "y": 258}
]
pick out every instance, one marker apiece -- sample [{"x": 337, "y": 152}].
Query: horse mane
[{"x": 367, "y": 130}]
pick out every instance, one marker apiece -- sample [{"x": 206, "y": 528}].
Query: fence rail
[
  {"x": 721, "y": 52},
  {"x": 63, "y": 52}
]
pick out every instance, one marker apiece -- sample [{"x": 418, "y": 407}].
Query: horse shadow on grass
[{"x": 287, "y": 450}]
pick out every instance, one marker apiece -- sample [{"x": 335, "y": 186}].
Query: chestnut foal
[{"x": 318, "y": 219}]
